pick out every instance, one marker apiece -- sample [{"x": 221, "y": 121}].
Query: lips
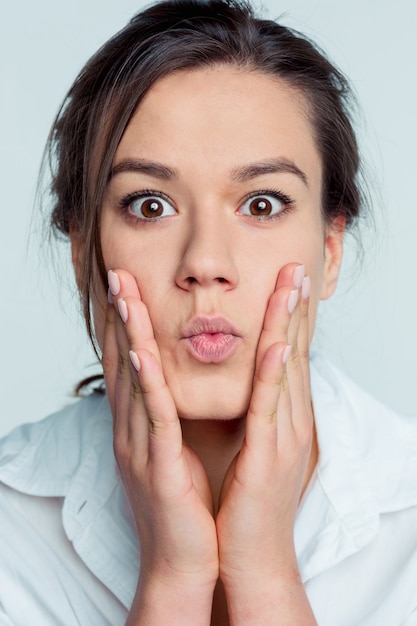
[{"x": 211, "y": 340}]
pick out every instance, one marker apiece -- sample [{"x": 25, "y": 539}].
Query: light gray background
[{"x": 369, "y": 328}]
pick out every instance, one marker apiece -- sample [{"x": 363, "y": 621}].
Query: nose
[{"x": 207, "y": 258}]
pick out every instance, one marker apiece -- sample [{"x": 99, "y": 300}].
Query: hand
[
  {"x": 165, "y": 482},
  {"x": 263, "y": 486}
]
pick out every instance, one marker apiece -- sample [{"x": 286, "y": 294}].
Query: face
[{"x": 213, "y": 191}]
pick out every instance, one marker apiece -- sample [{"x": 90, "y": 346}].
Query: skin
[{"x": 215, "y": 456}]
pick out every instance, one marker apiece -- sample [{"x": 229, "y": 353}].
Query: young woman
[{"x": 205, "y": 170}]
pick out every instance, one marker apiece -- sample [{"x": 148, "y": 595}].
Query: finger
[
  {"x": 304, "y": 331},
  {"x": 291, "y": 275},
  {"x": 131, "y": 424},
  {"x": 295, "y": 390},
  {"x": 294, "y": 322},
  {"x": 285, "y": 427},
  {"x": 134, "y": 332},
  {"x": 152, "y": 406},
  {"x": 110, "y": 356},
  {"x": 297, "y": 367},
  {"x": 132, "y": 428},
  {"x": 280, "y": 308},
  {"x": 261, "y": 421},
  {"x": 298, "y": 336},
  {"x": 129, "y": 403},
  {"x": 127, "y": 299},
  {"x": 121, "y": 283},
  {"x": 277, "y": 319},
  {"x": 294, "y": 273},
  {"x": 289, "y": 282},
  {"x": 137, "y": 335},
  {"x": 165, "y": 435},
  {"x": 115, "y": 372}
]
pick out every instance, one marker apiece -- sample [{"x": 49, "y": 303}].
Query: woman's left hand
[{"x": 263, "y": 487}]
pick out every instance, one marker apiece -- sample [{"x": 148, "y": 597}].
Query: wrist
[
  {"x": 274, "y": 568},
  {"x": 277, "y": 600},
  {"x": 179, "y": 600}
]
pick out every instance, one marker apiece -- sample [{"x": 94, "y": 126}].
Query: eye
[
  {"x": 147, "y": 206},
  {"x": 269, "y": 204}
]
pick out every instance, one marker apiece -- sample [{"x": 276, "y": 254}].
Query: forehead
[{"x": 220, "y": 118}]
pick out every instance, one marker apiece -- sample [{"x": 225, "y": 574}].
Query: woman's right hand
[{"x": 165, "y": 482}]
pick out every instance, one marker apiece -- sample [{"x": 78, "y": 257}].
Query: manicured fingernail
[
  {"x": 298, "y": 276},
  {"x": 114, "y": 283},
  {"x": 122, "y": 306},
  {"x": 135, "y": 360},
  {"x": 306, "y": 287},
  {"x": 109, "y": 297},
  {"x": 286, "y": 354},
  {"x": 292, "y": 300}
]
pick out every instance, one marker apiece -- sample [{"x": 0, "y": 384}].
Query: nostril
[{"x": 188, "y": 281}]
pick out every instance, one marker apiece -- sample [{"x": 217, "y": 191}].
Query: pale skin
[{"x": 215, "y": 448}]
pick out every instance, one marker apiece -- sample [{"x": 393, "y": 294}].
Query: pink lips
[{"x": 210, "y": 340}]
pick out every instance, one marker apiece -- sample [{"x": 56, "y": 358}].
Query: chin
[
  {"x": 214, "y": 403},
  {"x": 212, "y": 415}
]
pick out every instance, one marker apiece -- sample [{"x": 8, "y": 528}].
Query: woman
[{"x": 205, "y": 171}]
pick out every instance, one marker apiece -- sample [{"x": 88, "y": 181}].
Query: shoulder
[{"x": 42, "y": 457}]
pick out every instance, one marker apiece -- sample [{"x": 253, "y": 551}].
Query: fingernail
[
  {"x": 135, "y": 360},
  {"x": 298, "y": 276},
  {"x": 114, "y": 283},
  {"x": 109, "y": 297},
  {"x": 292, "y": 300},
  {"x": 286, "y": 354},
  {"x": 306, "y": 287},
  {"x": 122, "y": 306}
]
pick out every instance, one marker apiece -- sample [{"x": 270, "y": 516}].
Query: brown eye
[
  {"x": 152, "y": 208},
  {"x": 260, "y": 206},
  {"x": 149, "y": 207},
  {"x": 267, "y": 205}
]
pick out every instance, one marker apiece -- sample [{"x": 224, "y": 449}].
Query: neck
[{"x": 216, "y": 443}]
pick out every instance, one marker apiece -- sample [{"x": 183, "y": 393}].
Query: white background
[{"x": 370, "y": 326}]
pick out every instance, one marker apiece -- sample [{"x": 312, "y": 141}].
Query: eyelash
[
  {"x": 128, "y": 199},
  {"x": 287, "y": 202}
]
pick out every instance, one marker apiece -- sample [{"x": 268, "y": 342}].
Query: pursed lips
[{"x": 210, "y": 339}]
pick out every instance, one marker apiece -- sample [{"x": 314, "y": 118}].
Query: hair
[{"x": 173, "y": 36}]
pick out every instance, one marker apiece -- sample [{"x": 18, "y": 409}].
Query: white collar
[{"x": 367, "y": 467}]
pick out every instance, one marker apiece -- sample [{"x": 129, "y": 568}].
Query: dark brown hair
[{"x": 183, "y": 35}]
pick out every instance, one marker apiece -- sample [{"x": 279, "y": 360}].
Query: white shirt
[{"x": 69, "y": 553}]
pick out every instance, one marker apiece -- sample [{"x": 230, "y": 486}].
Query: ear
[
  {"x": 76, "y": 252},
  {"x": 333, "y": 254}
]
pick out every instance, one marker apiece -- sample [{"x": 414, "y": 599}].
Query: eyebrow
[
  {"x": 238, "y": 174},
  {"x": 156, "y": 170},
  {"x": 271, "y": 166}
]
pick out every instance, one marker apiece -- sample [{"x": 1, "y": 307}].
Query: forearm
[{"x": 157, "y": 603}]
